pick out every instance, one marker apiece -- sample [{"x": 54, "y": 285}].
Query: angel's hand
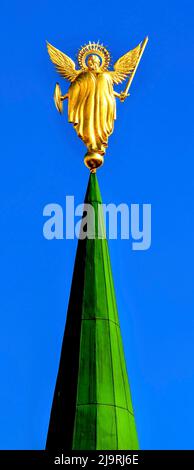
[{"x": 123, "y": 96}]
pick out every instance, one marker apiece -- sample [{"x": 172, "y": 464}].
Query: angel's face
[{"x": 93, "y": 63}]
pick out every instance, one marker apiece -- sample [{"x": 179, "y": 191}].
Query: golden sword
[{"x": 125, "y": 92}]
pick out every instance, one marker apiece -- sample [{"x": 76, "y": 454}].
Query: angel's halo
[{"x": 96, "y": 49}]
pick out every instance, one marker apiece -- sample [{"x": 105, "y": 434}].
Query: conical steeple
[{"x": 92, "y": 406}]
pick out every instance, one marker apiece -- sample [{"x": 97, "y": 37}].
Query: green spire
[{"x": 92, "y": 406}]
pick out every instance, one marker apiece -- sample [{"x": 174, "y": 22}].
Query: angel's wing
[
  {"x": 125, "y": 65},
  {"x": 64, "y": 65}
]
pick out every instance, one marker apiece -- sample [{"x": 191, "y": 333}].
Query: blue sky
[{"x": 149, "y": 160}]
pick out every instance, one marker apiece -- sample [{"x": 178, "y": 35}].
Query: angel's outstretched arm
[
  {"x": 64, "y": 97},
  {"x": 116, "y": 94}
]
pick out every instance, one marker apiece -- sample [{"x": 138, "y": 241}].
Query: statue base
[{"x": 93, "y": 160}]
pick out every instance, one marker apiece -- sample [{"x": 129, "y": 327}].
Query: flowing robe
[{"x": 92, "y": 109}]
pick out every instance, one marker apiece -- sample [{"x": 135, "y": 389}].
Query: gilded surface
[{"x": 91, "y": 95}]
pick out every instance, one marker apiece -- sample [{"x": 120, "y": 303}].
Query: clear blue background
[{"x": 149, "y": 160}]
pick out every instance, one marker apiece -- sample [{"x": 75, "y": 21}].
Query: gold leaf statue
[{"x": 91, "y": 97}]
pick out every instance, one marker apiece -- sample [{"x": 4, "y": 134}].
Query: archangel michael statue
[{"x": 91, "y": 96}]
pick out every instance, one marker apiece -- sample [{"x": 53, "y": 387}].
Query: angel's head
[{"x": 93, "y": 62}]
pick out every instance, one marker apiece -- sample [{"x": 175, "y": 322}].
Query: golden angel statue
[{"x": 91, "y": 96}]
